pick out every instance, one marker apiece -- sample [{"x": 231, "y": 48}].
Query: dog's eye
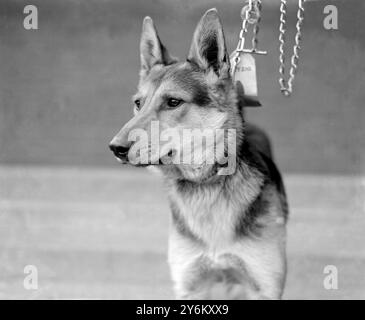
[
  {"x": 174, "y": 103},
  {"x": 137, "y": 104}
]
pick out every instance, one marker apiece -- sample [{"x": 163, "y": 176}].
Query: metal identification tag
[{"x": 245, "y": 79}]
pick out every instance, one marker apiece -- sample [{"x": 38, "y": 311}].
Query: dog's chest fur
[{"x": 210, "y": 213}]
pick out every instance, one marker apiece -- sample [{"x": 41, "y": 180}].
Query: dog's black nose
[{"x": 119, "y": 151}]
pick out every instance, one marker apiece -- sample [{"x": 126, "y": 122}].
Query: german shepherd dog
[{"x": 228, "y": 232}]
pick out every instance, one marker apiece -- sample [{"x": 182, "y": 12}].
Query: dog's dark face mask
[{"x": 175, "y": 98}]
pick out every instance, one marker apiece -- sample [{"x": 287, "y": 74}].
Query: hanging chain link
[
  {"x": 256, "y": 27},
  {"x": 286, "y": 87},
  {"x": 250, "y": 14},
  {"x": 246, "y": 18}
]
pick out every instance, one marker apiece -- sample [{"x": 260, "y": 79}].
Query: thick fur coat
[{"x": 227, "y": 235}]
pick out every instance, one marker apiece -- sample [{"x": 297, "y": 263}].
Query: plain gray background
[{"x": 66, "y": 88}]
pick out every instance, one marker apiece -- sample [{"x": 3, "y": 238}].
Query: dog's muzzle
[{"x": 120, "y": 152}]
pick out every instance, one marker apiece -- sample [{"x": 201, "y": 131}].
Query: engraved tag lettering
[{"x": 245, "y": 79}]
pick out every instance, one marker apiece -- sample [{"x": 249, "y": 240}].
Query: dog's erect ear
[
  {"x": 208, "y": 48},
  {"x": 152, "y": 50}
]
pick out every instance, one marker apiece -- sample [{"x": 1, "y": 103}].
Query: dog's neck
[
  {"x": 199, "y": 208},
  {"x": 245, "y": 172}
]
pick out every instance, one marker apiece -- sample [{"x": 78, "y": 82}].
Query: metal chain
[
  {"x": 256, "y": 27},
  {"x": 286, "y": 87},
  {"x": 250, "y": 14},
  {"x": 246, "y": 17}
]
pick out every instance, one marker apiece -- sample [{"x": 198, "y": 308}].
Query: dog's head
[{"x": 175, "y": 99}]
